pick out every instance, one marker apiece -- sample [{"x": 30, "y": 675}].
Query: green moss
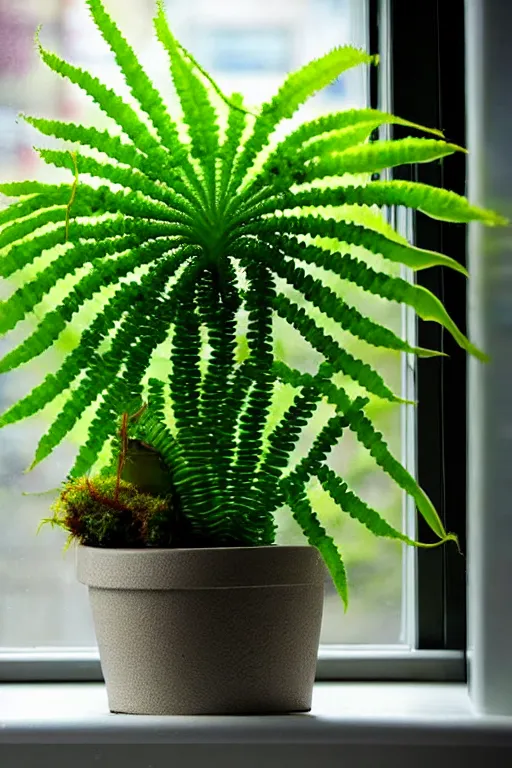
[{"x": 98, "y": 516}]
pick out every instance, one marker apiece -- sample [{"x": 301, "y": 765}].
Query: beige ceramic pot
[{"x": 206, "y": 631}]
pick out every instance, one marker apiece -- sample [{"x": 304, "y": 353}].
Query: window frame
[{"x": 427, "y": 71}]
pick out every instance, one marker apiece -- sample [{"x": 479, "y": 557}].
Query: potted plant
[{"x": 188, "y": 232}]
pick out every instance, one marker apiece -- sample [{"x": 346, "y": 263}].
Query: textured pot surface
[{"x": 206, "y": 631}]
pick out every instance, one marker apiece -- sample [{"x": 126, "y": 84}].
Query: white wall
[{"x": 489, "y": 100}]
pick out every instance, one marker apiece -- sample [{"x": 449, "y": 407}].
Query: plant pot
[{"x": 206, "y": 631}]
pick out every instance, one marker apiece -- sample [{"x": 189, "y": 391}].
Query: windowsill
[{"x": 414, "y": 714}]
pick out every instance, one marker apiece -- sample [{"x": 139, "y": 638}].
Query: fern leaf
[
  {"x": 318, "y": 128},
  {"x": 339, "y": 121},
  {"x": 313, "y": 77},
  {"x": 198, "y": 111},
  {"x": 21, "y": 229},
  {"x": 287, "y": 167},
  {"x": 79, "y": 360},
  {"x": 238, "y": 388},
  {"x": 104, "y": 273},
  {"x": 296, "y": 89},
  {"x": 25, "y": 298},
  {"x": 333, "y": 306},
  {"x": 317, "y": 536},
  {"x": 87, "y": 136},
  {"x": 23, "y": 253},
  {"x": 423, "y": 301},
  {"x": 130, "y": 203},
  {"x": 341, "y": 360},
  {"x": 132, "y": 180},
  {"x": 433, "y": 201},
  {"x": 25, "y": 207},
  {"x": 229, "y": 150},
  {"x": 218, "y": 302},
  {"x": 379, "y": 155},
  {"x": 102, "y": 376},
  {"x": 377, "y": 447},
  {"x": 115, "y": 149},
  {"x": 328, "y": 437},
  {"x": 57, "y": 192},
  {"x": 341, "y": 141},
  {"x": 258, "y": 302},
  {"x": 350, "y": 415},
  {"x": 137, "y": 80},
  {"x": 109, "y": 102},
  {"x": 281, "y": 443},
  {"x": 353, "y": 234},
  {"x": 358, "y": 510}
]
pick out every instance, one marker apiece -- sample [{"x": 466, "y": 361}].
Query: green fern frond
[
  {"x": 432, "y": 201},
  {"x": 87, "y": 136},
  {"x": 339, "y": 121},
  {"x": 353, "y": 234},
  {"x": 76, "y": 362},
  {"x": 328, "y": 437},
  {"x": 132, "y": 180},
  {"x": 347, "y": 317},
  {"x": 423, "y": 301},
  {"x": 218, "y": 303},
  {"x": 137, "y": 80},
  {"x": 100, "y": 377},
  {"x": 29, "y": 295},
  {"x": 104, "y": 273},
  {"x": 350, "y": 503},
  {"x": 374, "y": 442},
  {"x": 340, "y": 360},
  {"x": 287, "y": 168},
  {"x": 109, "y": 102},
  {"x": 235, "y": 398},
  {"x": 26, "y": 207},
  {"x": 281, "y": 443},
  {"x": 296, "y": 89},
  {"x": 23, "y": 253},
  {"x": 351, "y": 415},
  {"x": 317, "y": 536},
  {"x": 198, "y": 112},
  {"x": 313, "y": 77},
  {"x": 258, "y": 302},
  {"x": 379, "y": 155},
  {"x": 20, "y": 229},
  {"x": 115, "y": 149}
]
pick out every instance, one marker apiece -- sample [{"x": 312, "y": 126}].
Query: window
[{"x": 248, "y": 47}]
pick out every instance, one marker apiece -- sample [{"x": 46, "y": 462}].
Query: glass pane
[{"x": 248, "y": 46}]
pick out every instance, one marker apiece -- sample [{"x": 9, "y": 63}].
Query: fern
[
  {"x": 186, "y": 232},
  {"x": 340, "y": 360},
  {"x": 315, "y": 533},
  {"x": 198, "y": 111}
]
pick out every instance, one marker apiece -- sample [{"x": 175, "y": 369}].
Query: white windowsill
[{"x": 343, "y": 713}]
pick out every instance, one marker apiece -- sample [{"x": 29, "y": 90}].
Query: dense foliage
[{"x": 196, "y": 227}]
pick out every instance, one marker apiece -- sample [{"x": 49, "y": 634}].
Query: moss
[{"x": 98, "y": 513}]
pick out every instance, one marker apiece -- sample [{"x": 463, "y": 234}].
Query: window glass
[{"x": 248, "y": 46}]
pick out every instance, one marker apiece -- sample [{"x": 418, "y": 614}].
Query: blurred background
[{"x": 248, "y": 46}]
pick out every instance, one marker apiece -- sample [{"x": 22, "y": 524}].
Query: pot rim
[{"x": 199, "y": 568}]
